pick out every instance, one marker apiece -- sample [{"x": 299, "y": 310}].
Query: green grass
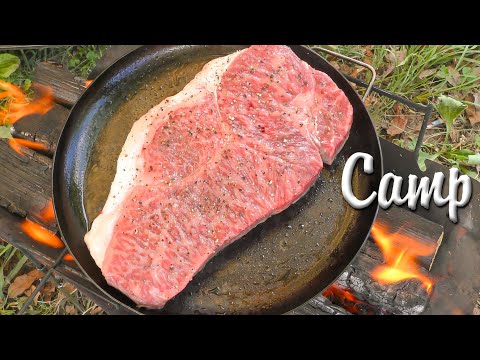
[
  {"x": 80, "y": 60},
  {"x": 422, "y": 74}
]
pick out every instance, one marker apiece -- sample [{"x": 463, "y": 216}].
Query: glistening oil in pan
[{"x": 267, "y": 268}]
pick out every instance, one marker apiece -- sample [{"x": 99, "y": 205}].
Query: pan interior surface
[{"x": 278, "y": 265}]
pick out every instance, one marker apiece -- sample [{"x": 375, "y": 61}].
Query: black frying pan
[{"x": 280, "y": 264}]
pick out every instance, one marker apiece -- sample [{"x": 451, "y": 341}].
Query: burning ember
[
  {"x": 41, "y": 234},
  {"x": 401, "y": 254},
  {"x": 345, "y": 298},
  {"x": 68, "y": 257},
  {"x": 48, "y": 214}
]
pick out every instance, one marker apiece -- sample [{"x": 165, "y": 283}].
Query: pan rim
[{"x": 58, "y": 171}]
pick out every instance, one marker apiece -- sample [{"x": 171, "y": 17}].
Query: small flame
[
  {"x": 68, "y": 257},
  {"x": 88, "y": 82},
  {"x": 18, "y": 105},
  {"x": 16, "y": 145},
  {"x": 401, "y": 254},
  {"x": 48, "y": 214},
  {"x": 41, "y": 234}
]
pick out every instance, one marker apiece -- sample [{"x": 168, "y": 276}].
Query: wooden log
[
  {"x": 25, "y": 182},
  {"x": 44, "y": 129},
  {"x": 67, "y": 89},
  {"x": 405, "y": 223}
]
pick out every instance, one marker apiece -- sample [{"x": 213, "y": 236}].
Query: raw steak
[{"x": 243, "y": 141}]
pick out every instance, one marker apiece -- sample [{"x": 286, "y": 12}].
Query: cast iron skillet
[{"x": 280, "y": 264}]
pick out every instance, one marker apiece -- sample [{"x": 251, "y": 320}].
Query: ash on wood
[
  {"x": 44, "y": 129},
  {"x": 403, "y": 298},
  {"x": 25, "y": 182},
  {"x": 67, "y": 89}
]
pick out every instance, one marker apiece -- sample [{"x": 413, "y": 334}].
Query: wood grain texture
[
  {"x": 25, "y": 182},
  {"x": 43, "y": 129},
  {"x": 67, "y": 89}
]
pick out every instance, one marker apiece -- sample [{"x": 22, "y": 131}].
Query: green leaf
[
  {"x": 424, "y": 156},
  {"x": 5, "y": 132},
  {"x": 449, "y": 109},
  {"x": 27, "y": 83},
  {"x": 474, "y": 160},
  {"x": 8, "y": 64},
  {"x": 91, "y": 56}
]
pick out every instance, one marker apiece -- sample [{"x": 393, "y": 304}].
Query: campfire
[
  {"x": 391, "y": 273},
  {"x": 17, "y": 105},
  {"x": 401, "y": 254}
]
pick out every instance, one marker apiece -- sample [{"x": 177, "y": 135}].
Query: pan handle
[{"x": 360, "y": 63}]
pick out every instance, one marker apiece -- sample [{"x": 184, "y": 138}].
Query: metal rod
[
  {"x": 419, "y": 107},
  {"x": 43, "y": 282},
  {"x": 421, "y": 134},
  {"x": 358, "y": 62}
]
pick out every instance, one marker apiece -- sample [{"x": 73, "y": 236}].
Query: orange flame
[
  {"x": 88, "y": 82},
  {"x": 68, "y": 257},
  {"x": 48, "y": 214},
  {"x": 20, "y": 109},
  {"x": 41, "y": 234},
  {"x": 401, "y": 255},
  {"x": 16, "y": 145}
]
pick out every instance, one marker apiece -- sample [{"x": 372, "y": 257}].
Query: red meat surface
[{"x": 246, "y": 139}]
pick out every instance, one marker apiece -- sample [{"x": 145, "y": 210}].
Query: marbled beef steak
[{"x": 243, "y": 141}]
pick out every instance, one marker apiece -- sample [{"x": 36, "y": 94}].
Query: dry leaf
[
  {"x": 23, "y": 282},
  {"x": 70, "y": 310},
  {"x": 426, "y": 73},
  {"x": 97, "y": 310},
  {"x": 392, "y": 63},
  {"x": 401, "y": 55},
  {"x": 473, "y": 112},
  {"x": 453, "y": 77},
  {"x": 47, "y": 291},
  {"x": 397, "y": 125},
  {"x": 357, "y": 71},
  {"x": 476, "y": 71},
  {"x": 30, "y": 290},
  {"x": 69, "y": 288}
]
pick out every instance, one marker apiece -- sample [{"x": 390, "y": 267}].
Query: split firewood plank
[
  {"x": 404, "y": 298},
  {"x": 67, "y": 88},
  {"x": 43, "y": 129},
  {"x": 25, "y": 182},
  {"x": 406, "y": 223}
]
